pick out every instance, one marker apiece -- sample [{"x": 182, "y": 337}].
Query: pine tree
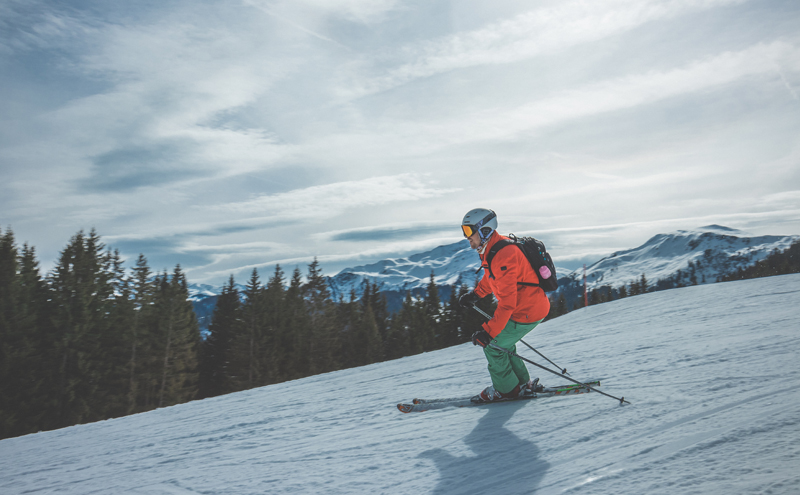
[
  {"x": 373, "y": 344},
  {"x": 36, "y": 373},
  {"x": 216, "y": 369},
  {"x": 368, "y": 331},
  {"x": 346, "y": 322},
  {"x": 432, "y": 309},
  {"x": 398, "y": 342},
  {"x": 114, "y": 342},
  {"x": 377, "y": 301},
  {"x": 280, "y": 345},
  {"x": 180, "y": 336},
  {"x": 594, "y": 297},
  {"x": 140, "y": 358},
  {"x": 324, "y": 342},
  {"x": 11, "y": 343},
  {"x": 297, "y": 329},
  {"x": 261, "y": 355},
  {"x": 150, "y": 355},
  {"x": 558, "y": 308},
  {"x": 81, "y": 291},
  {"x": 453, "y": 318}
]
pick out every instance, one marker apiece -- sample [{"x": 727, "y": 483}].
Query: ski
[
  {"x": 539, "y": 389},
  {"x": 420, "y": 405}
]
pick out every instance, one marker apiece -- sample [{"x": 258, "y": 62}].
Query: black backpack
[{"x": 537, "y": 256}]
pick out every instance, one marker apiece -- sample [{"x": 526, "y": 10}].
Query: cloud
[
  {"x": 131, "y": 168},
  {"x": 30, "y": 25},
  {"x": 329, "y": 200},
  {"x": 166, "y": 90},
  {"x": 314, "y": 12},
  {"x": 388, "y": 233},
  {"x": 161, "y": 252},
  {"x": 617, "y": 94},
  {"x": 542, "y": 31}
]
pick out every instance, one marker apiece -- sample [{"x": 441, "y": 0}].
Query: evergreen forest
[{"x": 93, "y": 340}]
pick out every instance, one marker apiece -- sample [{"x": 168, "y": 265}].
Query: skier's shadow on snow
[{"x": 502, "y": 462}]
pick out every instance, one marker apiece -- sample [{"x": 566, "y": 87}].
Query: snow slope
[{"x": 711, "y": 372}]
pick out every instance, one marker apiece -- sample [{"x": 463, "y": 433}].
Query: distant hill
[{"x": 681, "y": 258}]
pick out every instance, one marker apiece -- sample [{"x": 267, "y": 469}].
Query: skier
[{"x": 519, "y": 307}]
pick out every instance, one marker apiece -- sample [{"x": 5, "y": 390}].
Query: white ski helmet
[{"x": 482, "y": 220}]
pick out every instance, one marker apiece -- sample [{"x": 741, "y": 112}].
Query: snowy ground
[{"x": 712, "y": 372}]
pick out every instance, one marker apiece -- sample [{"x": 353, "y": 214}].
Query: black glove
[
  {"x": 481, "y": 338},
  {"x": 469, "y": 299}
]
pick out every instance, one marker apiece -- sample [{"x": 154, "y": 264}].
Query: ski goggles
[{"x": 470, "y": 230}]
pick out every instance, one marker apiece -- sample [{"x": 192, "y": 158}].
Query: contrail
[{"x": 269, "y": 12}]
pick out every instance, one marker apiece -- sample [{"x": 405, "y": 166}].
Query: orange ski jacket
[{"x": 519, "y": 303}]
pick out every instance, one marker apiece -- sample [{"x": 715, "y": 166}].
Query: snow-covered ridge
[
  {"x": 718, "y": 250},
  {"x": 700, "y": 255},
  {"x": 198, "y": 292},
  {"x": 713, "y": 251},
  {"x": 451, "y": 265}
]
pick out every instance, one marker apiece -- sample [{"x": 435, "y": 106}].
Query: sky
[{"x": 231, "y": 135}]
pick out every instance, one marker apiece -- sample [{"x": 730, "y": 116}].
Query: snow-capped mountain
[
  {"x": 713, "y": 251},
  {"x": 451, "y": 265},
  {"x": 684, "y": 257},
  {"x": 688, "y": 257},
  {"x": 198, "y": 292}
]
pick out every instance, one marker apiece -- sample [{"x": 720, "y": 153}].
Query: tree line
[
  {"x": 92, "y": 340},
  {"x": 277, "y": 330},
  {"x": 88, "y": 341},
  {"x": 777, "y": 263}
]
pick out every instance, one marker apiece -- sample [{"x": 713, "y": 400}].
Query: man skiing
[{"x": 520, "y": 307}]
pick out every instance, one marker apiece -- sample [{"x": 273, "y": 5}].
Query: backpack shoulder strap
[{"x": 497, "y": 247}]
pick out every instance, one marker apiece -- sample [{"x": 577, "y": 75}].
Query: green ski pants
[{"x": 508, "y": 371}]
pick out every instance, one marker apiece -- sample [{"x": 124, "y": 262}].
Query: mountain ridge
[
  {"x": 724, "y": 250},
  {"x": 682, "y": 257}
]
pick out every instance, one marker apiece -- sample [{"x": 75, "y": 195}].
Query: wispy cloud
[
  {"x": 388, "y": 232},
  {"x": 618, "y": 94},
  {"x": 29, "y": 25},
  {"x": 166, "y": 85},
  {"x": 542, "y": 31},
  {"x": 329, "y": 200}
]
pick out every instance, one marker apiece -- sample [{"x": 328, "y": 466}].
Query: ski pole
[
  {"x": 620, "y": 399},
  {"x": 489, "y": 317}
]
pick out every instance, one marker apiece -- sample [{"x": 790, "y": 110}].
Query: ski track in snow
[{"x": 711, "y": 372}]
